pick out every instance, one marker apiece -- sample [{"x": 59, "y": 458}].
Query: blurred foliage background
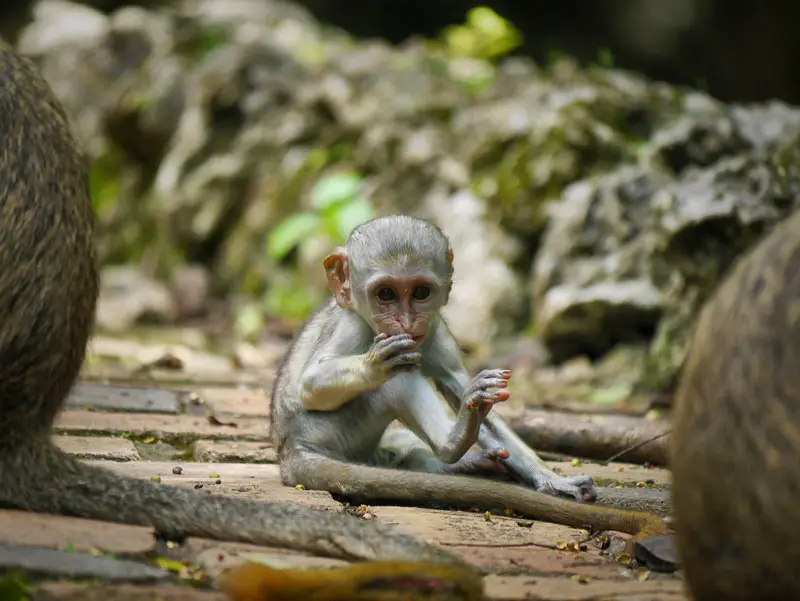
[
  {"x": 746, "y": 51},
  {"x": 598, "y": 166}
]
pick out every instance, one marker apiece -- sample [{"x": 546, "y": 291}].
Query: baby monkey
[{"x": 380, "y": 351}]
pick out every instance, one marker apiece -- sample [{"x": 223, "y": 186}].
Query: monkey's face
[{"x": 403, "y": 303}]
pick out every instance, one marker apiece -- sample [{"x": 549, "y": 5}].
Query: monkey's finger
[
  {"x": 479, "y": 394},
  {"x": 505, "y": 374},
  {"x": 501, "y": 396},
  {"x": 486, "y": 383},
  {"x": 500, "y": 453},
  {"x": 400, "y": 336},
  {"x": 412, "y": 359},
  {"x": 391, "y": 346},
  {"x": 487, "y": 399},
  {"x": 478, "y": 399}
]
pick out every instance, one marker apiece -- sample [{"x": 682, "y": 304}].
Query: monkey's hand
[
  {"x": 391, "y": 355},
  {"x": 482, "y": 393}
]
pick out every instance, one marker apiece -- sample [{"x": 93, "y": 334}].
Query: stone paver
[
  {"x": 122, "y": 398},
  {"x": 519, "y": 588},
  {"x": 257, "y": 482},
  {"x": 249, "y": 401},
  {"x": 58, "y": 532},
  {"x": 25, "y": 558},
  {"x": 69, "y": 591},
  {"x": 231, "y": 455},
  {"x": 98, "y": 447},
  {"x": 169, "y": 378},
  {"x": 223, "y": 451},
  {"x": 607, "y": 475},
  {"x": 186, "y": 427}
]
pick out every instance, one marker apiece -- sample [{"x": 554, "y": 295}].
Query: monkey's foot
[
  {"x": 580, "y": 488},
  {"x": 484, "y": 464}
]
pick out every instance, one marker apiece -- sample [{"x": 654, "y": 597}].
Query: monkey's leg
[
  {"x": 522, "y": 463},
  {"x": 417, "y": 404},
  {"x": 36, "y": 476},
  {"x": 376, "y": 484},
  {"x": 400, "y": 448},
  {"x": 526, "y": 466}
]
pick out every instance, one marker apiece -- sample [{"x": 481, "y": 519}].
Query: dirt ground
[{"x": 198, "y": 420}]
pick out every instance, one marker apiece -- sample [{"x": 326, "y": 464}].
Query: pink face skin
[{"x": 404, "y": 304}]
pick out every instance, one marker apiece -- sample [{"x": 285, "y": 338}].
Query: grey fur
[{"x": 330, "y": 408}]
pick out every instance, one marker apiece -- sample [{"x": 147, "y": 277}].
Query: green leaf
[
  {"x": 488, "y": 22},
  {"x": 290, "y": 300},
  {"x": 171, "y": 565},
  {"x": 13, "y": 588},
  {"x": 352, "y": 214},
  {"x": 248, "y": 321},
  {"x": 335, "y": 188},
  {"x": 289, "y": 233},
  {"x": 613, "y": 394}
]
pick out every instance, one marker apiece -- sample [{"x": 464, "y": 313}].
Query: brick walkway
[{"x": 145, "y": 423}]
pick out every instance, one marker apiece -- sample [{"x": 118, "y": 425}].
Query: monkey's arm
[
  {"x": 420, "y": 408},
  {"x": 445, "y": 365},
  {"x": 329, "y": 382},
  {"x": 336, "y": 373}
]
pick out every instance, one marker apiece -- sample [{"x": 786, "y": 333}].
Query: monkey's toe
[
  {"x": 587, "y": 488},
  {"x": 578, "y": 488}
]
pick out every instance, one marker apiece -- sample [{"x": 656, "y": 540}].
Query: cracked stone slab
[
  {"x": 98, "y": 447},
  {"x": 183, "y": 426},
  {"x": 658, "y": 501},
  {"x": 114, "y": 374},
  {"x": 71, "y": 591},
  {"x": 501, "y": 543},
  {"x": 76, "y": 565},
  {"x": 260, "y": 482},
  {"x": 249, "y": 401},
  {"x": 627, "y": 474},
  {"x": 224, "y": 451},
  {"x": 519, "y": 588},
  {"x": 124, "y": 398},
  {"x": 21, "y": 528}
]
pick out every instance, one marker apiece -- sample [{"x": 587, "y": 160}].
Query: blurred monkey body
[
  {"x": 48, "y": 293},
  {"x": 735, "y": 446},
  {"x": 379, "y": 351}
]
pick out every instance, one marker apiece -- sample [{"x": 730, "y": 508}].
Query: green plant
[
  {"x": 485, "y": 35},
  {"x": 338, "y": 207},
  {"x": 605, "y": 58},
  {"x": 105, "y": 180},
  {"x": 14, "y": 588}
]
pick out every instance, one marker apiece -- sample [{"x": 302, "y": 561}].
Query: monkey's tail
[
  {"x": 41, "y": 478},
  {"x": 318, "y": 472}
]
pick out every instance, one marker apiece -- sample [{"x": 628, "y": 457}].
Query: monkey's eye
[
  {"x": 386, "y": 294},
  {"x": 421, "y": 293}
]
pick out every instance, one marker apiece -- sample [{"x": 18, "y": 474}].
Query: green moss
[
  {"x": 13, "y": 587},
  {"x": 105, "y": 180}
]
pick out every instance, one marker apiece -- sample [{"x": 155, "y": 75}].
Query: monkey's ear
[
  {"x": 338, "y": 271},
  {"x": 449, "y": 272},
  {"x": 450, "y": 259}
]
